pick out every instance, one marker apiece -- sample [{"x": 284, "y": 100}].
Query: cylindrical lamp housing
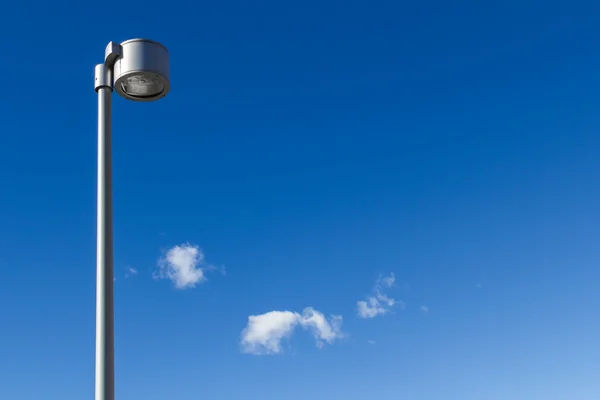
[{"x": 142, "y": 71}]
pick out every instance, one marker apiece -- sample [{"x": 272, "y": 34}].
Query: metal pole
[{"x": 105, "y": 380}]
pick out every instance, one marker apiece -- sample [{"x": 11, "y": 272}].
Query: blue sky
[{"x": 438, "y": 162}]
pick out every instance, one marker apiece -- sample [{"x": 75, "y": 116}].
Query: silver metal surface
[
  {"x": 102, "y": 77},
  {"x": 139, "y": 69},
  {"x": 146, "y": 60},
  {"x": 112, "y": 52},
  {"x": 105, "y": 375}
]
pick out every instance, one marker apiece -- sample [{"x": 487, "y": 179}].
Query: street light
[{"x": 139, "y": 70}]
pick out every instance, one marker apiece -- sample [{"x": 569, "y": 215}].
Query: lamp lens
[{"x": 142, "y": 86}]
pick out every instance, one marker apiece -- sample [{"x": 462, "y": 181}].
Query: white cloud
[
  {"x": 184, "y": 265},
  {"x": 424, "y": 309},
  {"x": 322, "y": 330},
  {"x": 387, "y": 281},
  {"x": 386, "y": 300},
  {"x": 370, "y": 308},
  {"x": 130, "y": 272},
  {"x": 380, "y": 303},
  {"x": 371, "y": 341},
  {"x": 264, "y": 333}
]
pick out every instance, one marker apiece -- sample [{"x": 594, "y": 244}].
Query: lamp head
[{"x": 141, "y": 73}]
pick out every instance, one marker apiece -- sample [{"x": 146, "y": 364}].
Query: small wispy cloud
[
  {"x": 130, "y": 272},
  {"x": 424, "y": 309},
  {"x": 370, "y": 308},
  {"x": 264, "y": 333},
  {"x": 371, "y": 342},
  {"x": 184, "y": 265},
  {"x": 379, "y": 303}
]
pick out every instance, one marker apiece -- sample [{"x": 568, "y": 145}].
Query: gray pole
[
  {"x": 139, "y": 68},
  {"x": 105, "y": 375}
]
